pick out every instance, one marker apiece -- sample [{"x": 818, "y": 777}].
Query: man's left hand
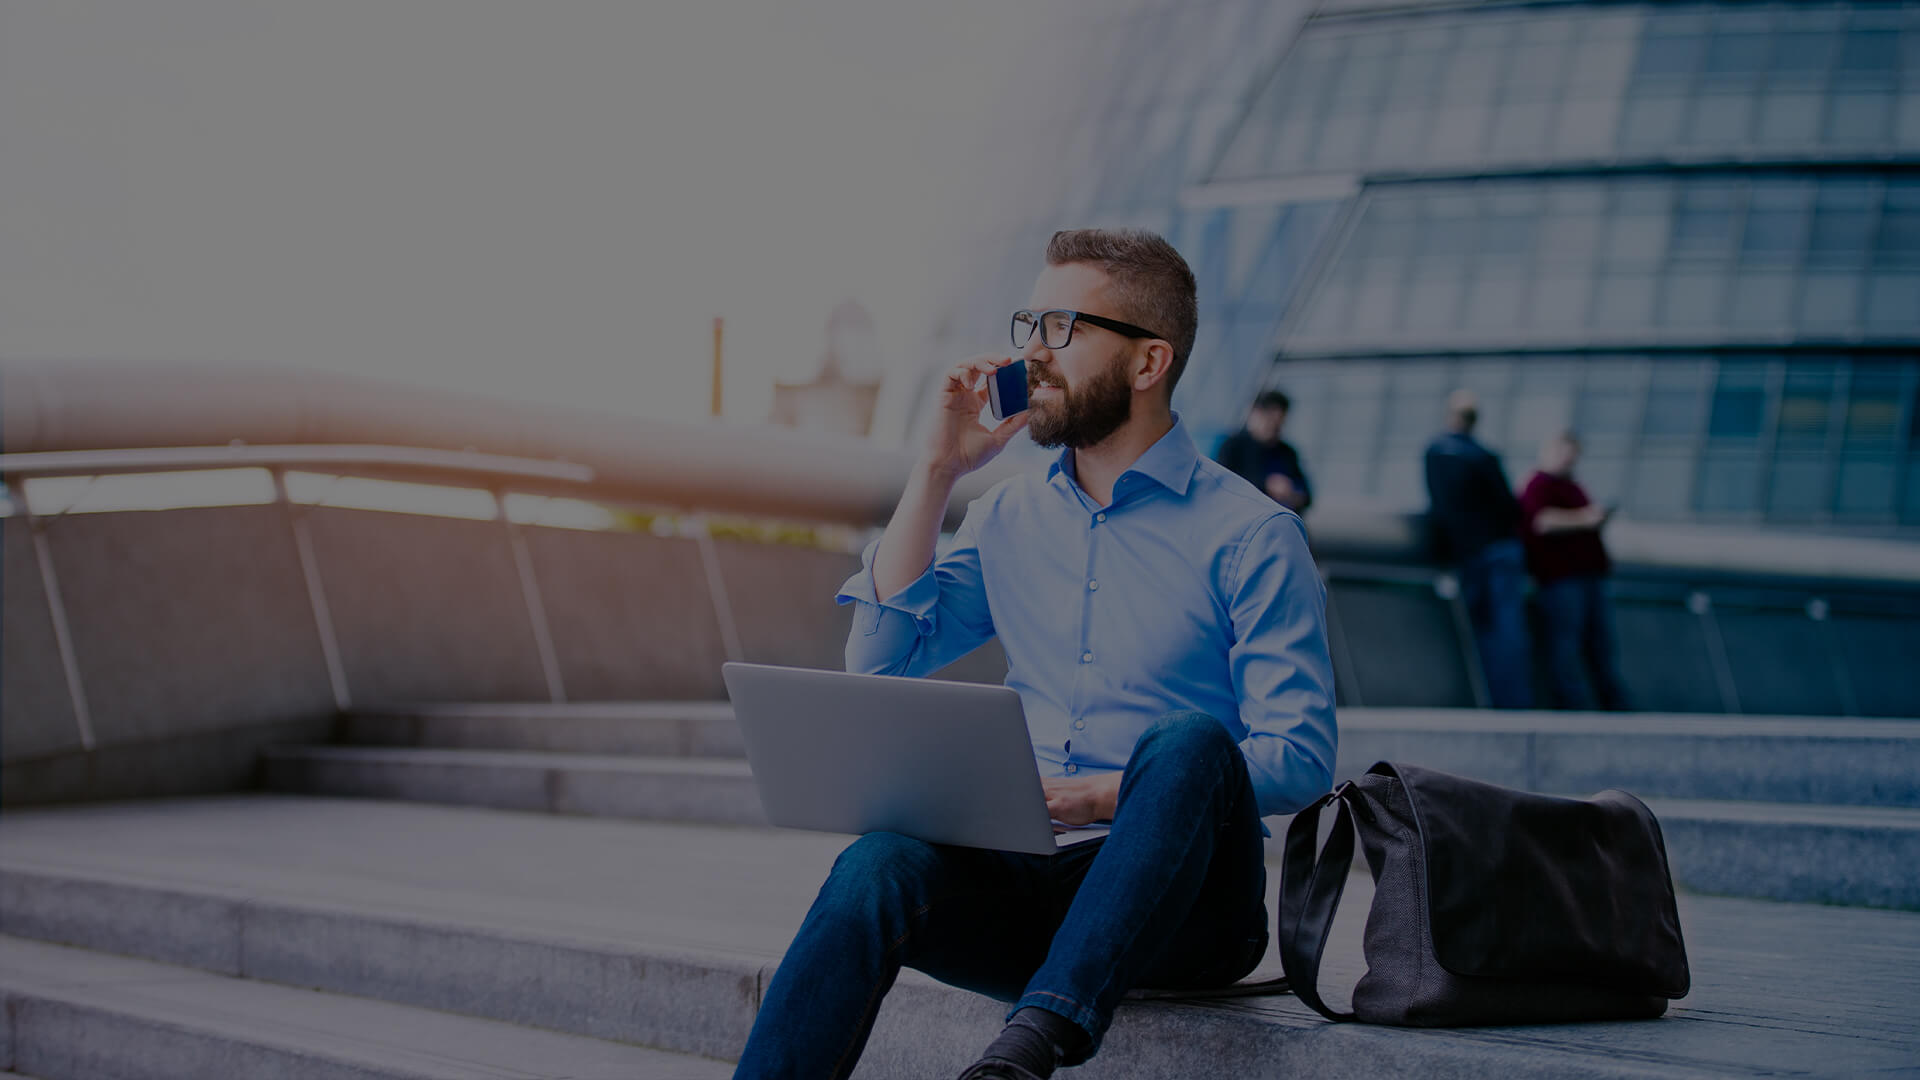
[{"x": 1079, "y": 801}]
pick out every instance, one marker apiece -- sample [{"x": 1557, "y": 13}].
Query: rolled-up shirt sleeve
[
  {"x": 1282, "y": 670},
  {"x": 941, "y": 616}
]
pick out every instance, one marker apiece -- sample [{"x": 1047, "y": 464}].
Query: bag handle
[{"x": 1310, "y": 890}]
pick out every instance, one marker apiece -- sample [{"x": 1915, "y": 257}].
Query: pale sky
[{"x": 547, "y": 200}]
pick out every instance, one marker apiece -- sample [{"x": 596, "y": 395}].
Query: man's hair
[
  {"x": 1152, "y": 284},
  {"x": 1274, "y": 399},
  {"x": 1463, "y": 409}
]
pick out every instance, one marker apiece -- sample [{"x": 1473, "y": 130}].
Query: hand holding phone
[{"x": 1007, "y": 390}]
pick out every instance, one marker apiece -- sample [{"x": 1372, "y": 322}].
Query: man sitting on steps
[{"x": 1165, "y": 627}]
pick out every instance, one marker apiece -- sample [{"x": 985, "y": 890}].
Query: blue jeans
[
  {"x": 1493, "y": 583},
  {"x": 1174, "y": 897},
  {"x": 1578, "y": 618}
]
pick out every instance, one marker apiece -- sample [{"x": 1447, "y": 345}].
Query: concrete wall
[
  {"x": 192, "y": 635},
  {"x": 197, "y": 644},
  {"x": 426, "y": 608},
  {"x": 632, "y": 615}
]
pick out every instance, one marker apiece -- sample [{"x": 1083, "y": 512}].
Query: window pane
[
  {"x": 1790, "y": 119},
  {"x": 1624, "y": 301},
  {"x": 1521, "y": 128},
  {"x": 1494, "y": 301},
  {"x": 1806, "y": 405},
  {"x": 1588, "y": 125},
  {"x": 1797, "y": 490},
  {"x": 1414, "y": 405},
  {"x": 1543, "y": 405},
  {"x": 1776, "y": 225},
  {"x": 1652, "y": 122},
  {"x": 1899, "y": 241},
  {"x": 1674, "y": 400},
  {"x": 1729, "y": 483},
  {"x": 1353, "y": 411},
  {"x": 1605, "y": 412},
  {"x": 1843, "y": 225},
  {"x": 1802, "y": 55},
  {"x": 1868, "y": 58},
  {"x": 1866, "y": 486},
  {"x": 1669, "y": 53},
  {"x": 1570, "y": 238},
  {"x": 1703, "y": 225},
  {"x": 1830, "y": 301},
  {"x": 1739, "y": 402},
  {"x": 1893, "y": 303},
  {"x": 1761, "y": 299},
  {"x": 1662, "y": 486},
  {"x": 1637, "y": 234},
  {"x": 1856, "y": 119},
  {"x": 1692, "y": 298},
  {"x": 1433, "y": 301},
  {"x": 1559, "y": 301},
  {"x": 1873, "y": 408},
  {"x": 1735, "y": 61}
]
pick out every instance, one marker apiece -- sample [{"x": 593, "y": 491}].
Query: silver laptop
[{"x": 945, "y": 762}]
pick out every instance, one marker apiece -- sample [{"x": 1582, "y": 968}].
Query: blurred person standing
[
  {"x": 1475, "y": 521},
  {"x": 1263, "y": 459},
  {"x": 1569, "y": 565}
]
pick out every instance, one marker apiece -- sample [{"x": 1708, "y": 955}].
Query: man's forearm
[
  {"x": 907, "y": 547},
  {"x": 1556, "y": 520}
]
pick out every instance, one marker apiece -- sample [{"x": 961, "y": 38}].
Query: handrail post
[
  {"x": 536, "y": 606},
  {"x": 57, "y": 613},
  {"x": 316, "y": 592}
]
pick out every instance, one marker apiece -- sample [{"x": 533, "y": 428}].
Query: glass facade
[
  {"x": 1688, "y": 231},
  {"x": 1600, "y": 82},
  {"x": 1772, "y": 436},
  {"x": 1625, "y": 258}
]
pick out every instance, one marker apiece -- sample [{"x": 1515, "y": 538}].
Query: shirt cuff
[{"x": 918, "y": 603}]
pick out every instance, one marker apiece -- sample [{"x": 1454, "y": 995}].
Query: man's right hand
[{"x": 958, "y": 443}]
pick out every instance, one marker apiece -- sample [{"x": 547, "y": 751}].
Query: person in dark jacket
[
  {"x": 1475, "y": 522},
  {"x": 1263, "y": 459},
  {"x": 1569, "y": 565}
]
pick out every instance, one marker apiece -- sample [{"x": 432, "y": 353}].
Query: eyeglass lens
[{"x": 1056, "y": 328}]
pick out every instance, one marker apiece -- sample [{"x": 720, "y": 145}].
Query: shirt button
[
  {"x": 1072, "y": 768},
  {"x": 1086, "y": 658},
  {"x": 1099, "y": 517},
  {"x": 1079, "y": 725},
  {"x": 1093, "y": 586}
]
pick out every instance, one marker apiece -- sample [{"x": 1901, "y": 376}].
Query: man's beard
[{"x": 1085, "y": 416}]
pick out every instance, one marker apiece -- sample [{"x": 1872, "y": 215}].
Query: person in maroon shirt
[{"x": 1569, "y": 565}]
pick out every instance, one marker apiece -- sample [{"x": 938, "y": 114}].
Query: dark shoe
[{"x": 996, "y": 1070}]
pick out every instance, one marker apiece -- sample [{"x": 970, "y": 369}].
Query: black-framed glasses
[{"x": 1056, "y": 327}]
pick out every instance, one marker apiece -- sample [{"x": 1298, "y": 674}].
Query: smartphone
[{"x": 1007, "y": 390}]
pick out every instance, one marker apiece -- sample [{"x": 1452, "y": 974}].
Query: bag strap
[{"x": 1310, "y": 890}]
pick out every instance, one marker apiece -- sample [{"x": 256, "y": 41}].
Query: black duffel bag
[{"x": 1490, "y": 905}]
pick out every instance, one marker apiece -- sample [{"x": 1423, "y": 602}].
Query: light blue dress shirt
[{"x": 1190, "y": 590}]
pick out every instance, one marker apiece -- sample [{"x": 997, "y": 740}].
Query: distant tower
[{"x": 841, "y": 397}]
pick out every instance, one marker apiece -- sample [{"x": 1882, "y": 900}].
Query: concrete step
[
  {"x": 1827, "y": 760},
  {"x": 76, "y": 1015},
  {"x": 709, "y": 790},
  {"x": 1824, "y": 760},
  {"x": 1853, "y": 855},
  {"x": 654, "y": 729},
  {"x": 663, "y": 935}
]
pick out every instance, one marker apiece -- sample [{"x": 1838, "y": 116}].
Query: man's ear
[{"x": 1152, "y": 366}]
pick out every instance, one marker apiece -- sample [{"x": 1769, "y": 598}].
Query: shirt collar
[{"x": 1169, "y": 462}]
